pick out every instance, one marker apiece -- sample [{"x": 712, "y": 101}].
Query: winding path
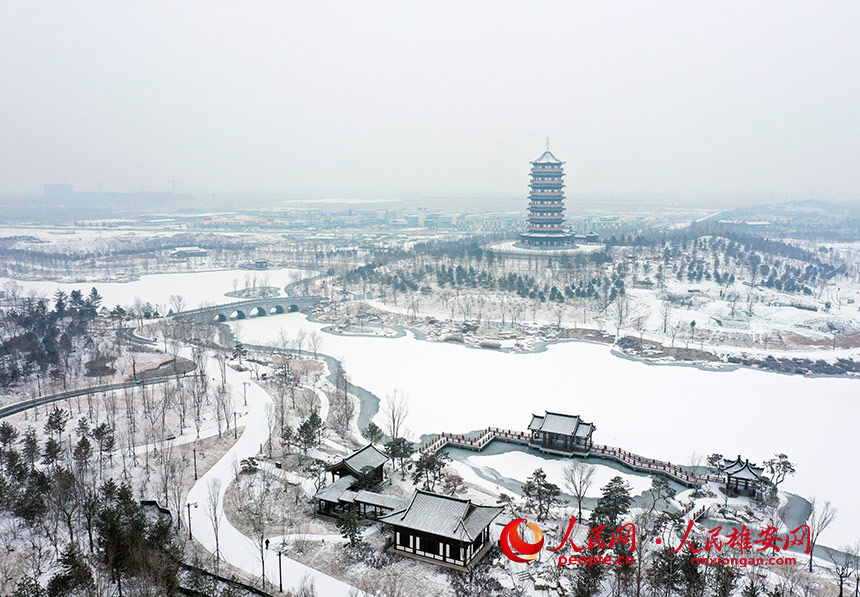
[{"x": 237, "y": 549}]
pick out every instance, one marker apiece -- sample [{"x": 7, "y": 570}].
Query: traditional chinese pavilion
[
  {"x": 350, "y": 475},
  {"x": 557, "y": 433},
  {"x": 367, "y": 461},
  {"x": 741, "y": 477},
  {"x": 445, "y": 530},
  {"x": 546, "y": 227}
]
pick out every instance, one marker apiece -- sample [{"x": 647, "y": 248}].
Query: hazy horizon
[{"x": 404, "y": 100}]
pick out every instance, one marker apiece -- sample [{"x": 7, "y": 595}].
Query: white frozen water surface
[
  {"x": 195, "y": 288},
  {"x": 519, "y": 465},
  {"x": 659, "y": 411}
]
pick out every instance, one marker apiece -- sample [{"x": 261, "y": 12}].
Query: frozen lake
[
  {"x": 660, "y": 411},
  {"x": 195, "y": 288}
]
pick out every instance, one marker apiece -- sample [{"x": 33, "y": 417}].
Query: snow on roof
[
  {"x": 333, "y": 492},
  {"x": 561, "y": 424},
  {"x": 746, "y": 472},
  {"x": 444, "y": 516},
  {"x": 383, "y": 501},
  {"x": 547, "y": 158},
  {"x": 736, "y": 468},
  {"x": 367, "y": 456}
]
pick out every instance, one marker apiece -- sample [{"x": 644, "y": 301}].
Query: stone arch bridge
[{"x": 251, "y": 308}]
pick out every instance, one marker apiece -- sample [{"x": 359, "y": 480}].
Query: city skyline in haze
[{"x": 385, "y": 100}]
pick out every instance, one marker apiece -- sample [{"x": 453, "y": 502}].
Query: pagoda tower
[{"x": 546, "y": 227}]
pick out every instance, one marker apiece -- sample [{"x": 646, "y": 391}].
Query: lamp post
[
  {"x": 194, "y": 451},
  {"x": 189, "y": 504},
  {"x": 245, "y": 385},
  {"x": 280, "y": 576},
  {"x": 235, "y": 434}
]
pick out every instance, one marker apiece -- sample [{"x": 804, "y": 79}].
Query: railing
[
  {"x": 694, "y": 516},
  {"x": 478, "y": 442},
  {"x": 649, "y": 464},
  {"x": 635, "y": 461},
  {"x": 251, "y": 303}
]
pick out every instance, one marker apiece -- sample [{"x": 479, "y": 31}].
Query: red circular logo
[{"x": 513, "y": 545}]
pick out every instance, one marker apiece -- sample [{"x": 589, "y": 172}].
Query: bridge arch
[
  {"x": 238, "y": 314},
  {"x": 293, "y": 308},
  {"x": 219, "y": 317},
  {"x": 258, "y": 311},
  {"x": 277, "y": 310}
]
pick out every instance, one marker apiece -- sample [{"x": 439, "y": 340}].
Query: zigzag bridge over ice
[{"x": 628, "y": 459}]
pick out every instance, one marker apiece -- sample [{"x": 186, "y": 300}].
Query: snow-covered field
[
  {"x": 195, "y": 288},
  {"x": 660, "y": 411}
]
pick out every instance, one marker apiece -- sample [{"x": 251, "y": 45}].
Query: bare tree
[
  {"x": 732, "y": 299},
  {"x": 257, "y": 510},
  {"x": 844, "y": 565},
  {"x": 315, "y": 343},
  {"x": 578, "y": 478},
  {"x": 819, "y": 519},
  {"x": 271, "y": 424},
  {"x": 749, "y": 303},
  {"x": 395, "y": 411},
  {"x": 177, "y": 484},
  {"x": 177, "y": 303},
  {"x": 622, "y": 309},
  {"x": 560, "y": 311},
  {"x": 299, "y": 342},
  {"x": 665, "y": 312},
  {"x": 215, "y": 512}
]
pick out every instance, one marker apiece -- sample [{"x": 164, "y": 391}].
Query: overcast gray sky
[{"x": 419, "y": 99}]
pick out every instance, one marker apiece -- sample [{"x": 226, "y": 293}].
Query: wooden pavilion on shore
[
  {"x": 741, "y": 477},
  {"x": 442, "y": 529}
]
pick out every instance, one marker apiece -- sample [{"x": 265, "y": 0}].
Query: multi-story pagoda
[{"x": 546, "y": 227}]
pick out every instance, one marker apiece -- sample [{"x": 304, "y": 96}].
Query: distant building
[
  {"x": 546, "y": 227},
  {"x": 560, "y": 434},
  {"x": 261, "y": 264},
  {"x": 442, "y": 529},
  {"x": 591, "y": 238},
  {"x": 185, "y": 252}
]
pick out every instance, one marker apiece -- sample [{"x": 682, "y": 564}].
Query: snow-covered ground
[
  {"x": 660, "y": 411},
  {"x": 195, "y": 288}
]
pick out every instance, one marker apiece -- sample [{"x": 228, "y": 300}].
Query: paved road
[{"x": 11, "y": 409}]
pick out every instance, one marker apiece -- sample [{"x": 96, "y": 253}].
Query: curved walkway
[{"x": 237, "y": 549}]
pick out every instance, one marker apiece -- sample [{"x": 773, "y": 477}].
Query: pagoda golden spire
[{"x": 547, "y": 143}]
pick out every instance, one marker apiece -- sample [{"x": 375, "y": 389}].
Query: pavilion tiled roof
[
  {"x": 741, "y": 469},
  {"x": 369, "y": 455},
  {"x": 561, "y": 424},
  {"x": 547, "y": 158},
  {"x": 746, "y": 472},
  {"x": 383, "y": 501},
  {"x": 444, "y": 516},
  {"x": 334, "y": 491}
]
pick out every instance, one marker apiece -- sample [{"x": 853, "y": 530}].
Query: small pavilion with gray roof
[
  {"x": 558, "y": 433},
  {"x": 369, "y": 460},
  {"x": 350, "y": 478},
  {"x": 742, "y": 478}
]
